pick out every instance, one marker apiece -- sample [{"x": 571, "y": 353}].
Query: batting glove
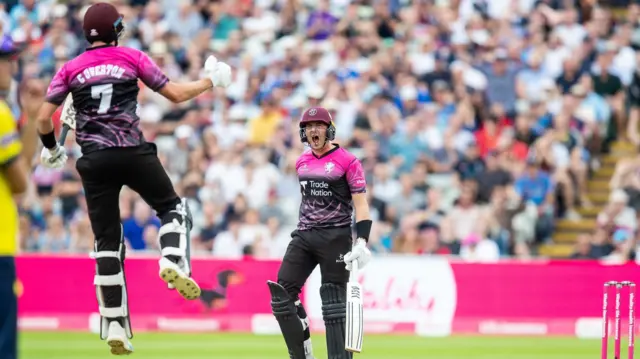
[
  {"x": 53, "y": 158},
  {"x": 359, "y": 253},
  {"x": 217, "y": 71}
]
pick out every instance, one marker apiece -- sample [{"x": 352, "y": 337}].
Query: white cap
[
  {"x": 408, "y": 93},
  {"x": 585, "y": 114},
  {"x": 315, "y": 92},
  {"x": 183, "y": 131},
  {"x": 474, "y": 79},
  {"x": 158, "y": 48},
  {"x": 330, "y": 104},
  {"x": 237, "y": 113},
  {"x": 150, "y": 113},
  {"x": 59, "y": 10}
]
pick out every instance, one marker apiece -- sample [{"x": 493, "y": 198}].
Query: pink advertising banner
[
  {"x": 419, "y": 295},
  {"x": 55, "y": 289}
]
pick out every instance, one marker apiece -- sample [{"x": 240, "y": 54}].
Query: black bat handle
[{"x": 63, "y": 134}]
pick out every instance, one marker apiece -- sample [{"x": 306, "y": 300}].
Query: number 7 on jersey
[{"x": 104, "y": 93}]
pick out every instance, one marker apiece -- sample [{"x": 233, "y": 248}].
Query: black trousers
[
  {"x": 8, "y": 309},
  {"x": 105, "y": 172},
  {"x": 320, "y": 246}
]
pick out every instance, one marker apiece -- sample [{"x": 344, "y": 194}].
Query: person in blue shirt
[
  {"x": 134, "y": 227},
  {"x": 535, "y": 185}
]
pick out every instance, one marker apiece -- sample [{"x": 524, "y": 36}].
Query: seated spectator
[
  {"x": 623, "y": 248},
  {"x": 493, "y": 177},
  {"x": 470, "y": 165},
  {"x": 228, "y": 244},
  {"x": 556, "y": 158},
  {"x": 626, "y": 177},
  {"x": 617, "y": 215},
  {"x": 536, "y": 187},
  {"x": 406, "y": 242},
  {"x": 54, "y": 239},
  {"x": 28, "y": 241},
  {"x": 252, "y": 230},
  {"x": 583, "y": 248},
  {"x": 429, "y": 241},
  {"x": 464, "y": 219},
  {"x": 280, "y": 237},
  {"x": 477, "y": 249},
  {"x": 134, "y": 226},
  {"x": 82, "y": 240},
  {"x": 499, "y": 217},
  {"x": 406, "y": 202},
  {"x": 601, "y": 244}
]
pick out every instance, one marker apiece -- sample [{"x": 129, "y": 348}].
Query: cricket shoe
[
  {"x": 118, "y": 341},
  {"x": 177, "y": 279}
]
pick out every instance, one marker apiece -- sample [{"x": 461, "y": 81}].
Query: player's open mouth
[{"x": 315, "y": 140}]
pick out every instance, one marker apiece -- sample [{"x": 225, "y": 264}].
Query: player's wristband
[
  {"x": 49, "y": 140},
  {"x": 363, "y": 229}
]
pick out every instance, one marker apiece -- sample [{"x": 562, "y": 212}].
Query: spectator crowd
[{"x": 478, "y": 122}]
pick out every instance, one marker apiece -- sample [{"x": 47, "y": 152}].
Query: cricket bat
[
  {"x": 68, "y": 118},
  {"x": 354, "y": 327}
]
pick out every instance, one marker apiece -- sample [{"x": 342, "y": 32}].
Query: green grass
[{"x": 62, "y": 345}]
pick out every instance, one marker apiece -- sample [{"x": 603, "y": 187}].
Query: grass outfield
[{"x": 51, "y": 345}]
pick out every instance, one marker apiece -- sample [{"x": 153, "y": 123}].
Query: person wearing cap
[
  {"x": 623, "y": 248},
  {"x": 501, "y": 84},
  {"x": 16, "y": 151},
  {"x": 535, "y": 185},
  {"x": 332, "y": 183},
  {"x": 103, "y": 84}
]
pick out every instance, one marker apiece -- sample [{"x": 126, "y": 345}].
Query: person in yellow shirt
[
  {"x": 16, "y": 152},
  {"x": 263, "y": 127}
]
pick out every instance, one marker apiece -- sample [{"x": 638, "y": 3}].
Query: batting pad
[
  {"x": 111, "y": 288},
  {"x": 334, "y": 313},
  {"x": 286, "y": 313},
  {"x": 174, "y": 236}
]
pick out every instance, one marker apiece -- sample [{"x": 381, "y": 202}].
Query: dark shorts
[
  {"x": 8, "y": 309},
  {"x": 322, "y": 246},
  {"x": 634, "y": 94}
]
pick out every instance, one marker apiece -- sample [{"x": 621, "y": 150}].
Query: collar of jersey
[
  {"x": 336, "y": 146},
  {"x": 99, "y": 47}
]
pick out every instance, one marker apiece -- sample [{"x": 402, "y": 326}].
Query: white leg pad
[
  {"x": 173, "y": 238},
  {"x": 174, "y": 227},
  {"x": 113, "y": 312},
  {"x": 105, "y": 280},
  {"x": 119, "y": 279}
]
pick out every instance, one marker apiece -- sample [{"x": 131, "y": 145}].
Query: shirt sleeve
[
  {"x": 150, "y": 74},
  {"x": 10, "y": 145},
  {"x": 58, "y": 88},
  {"x": 518, "y": 187},
  {"x": 355, "y": 177}
]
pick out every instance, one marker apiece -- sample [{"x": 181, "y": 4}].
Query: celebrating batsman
[
  {"x": 331, "y": 179},
  {"x": 103, "y": 82}
]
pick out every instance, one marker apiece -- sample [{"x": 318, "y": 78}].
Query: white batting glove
[
  {"x": 53, "y": 158},
  {"x": 359, "y": 253},
  {"x": 217, "y": 71}
]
